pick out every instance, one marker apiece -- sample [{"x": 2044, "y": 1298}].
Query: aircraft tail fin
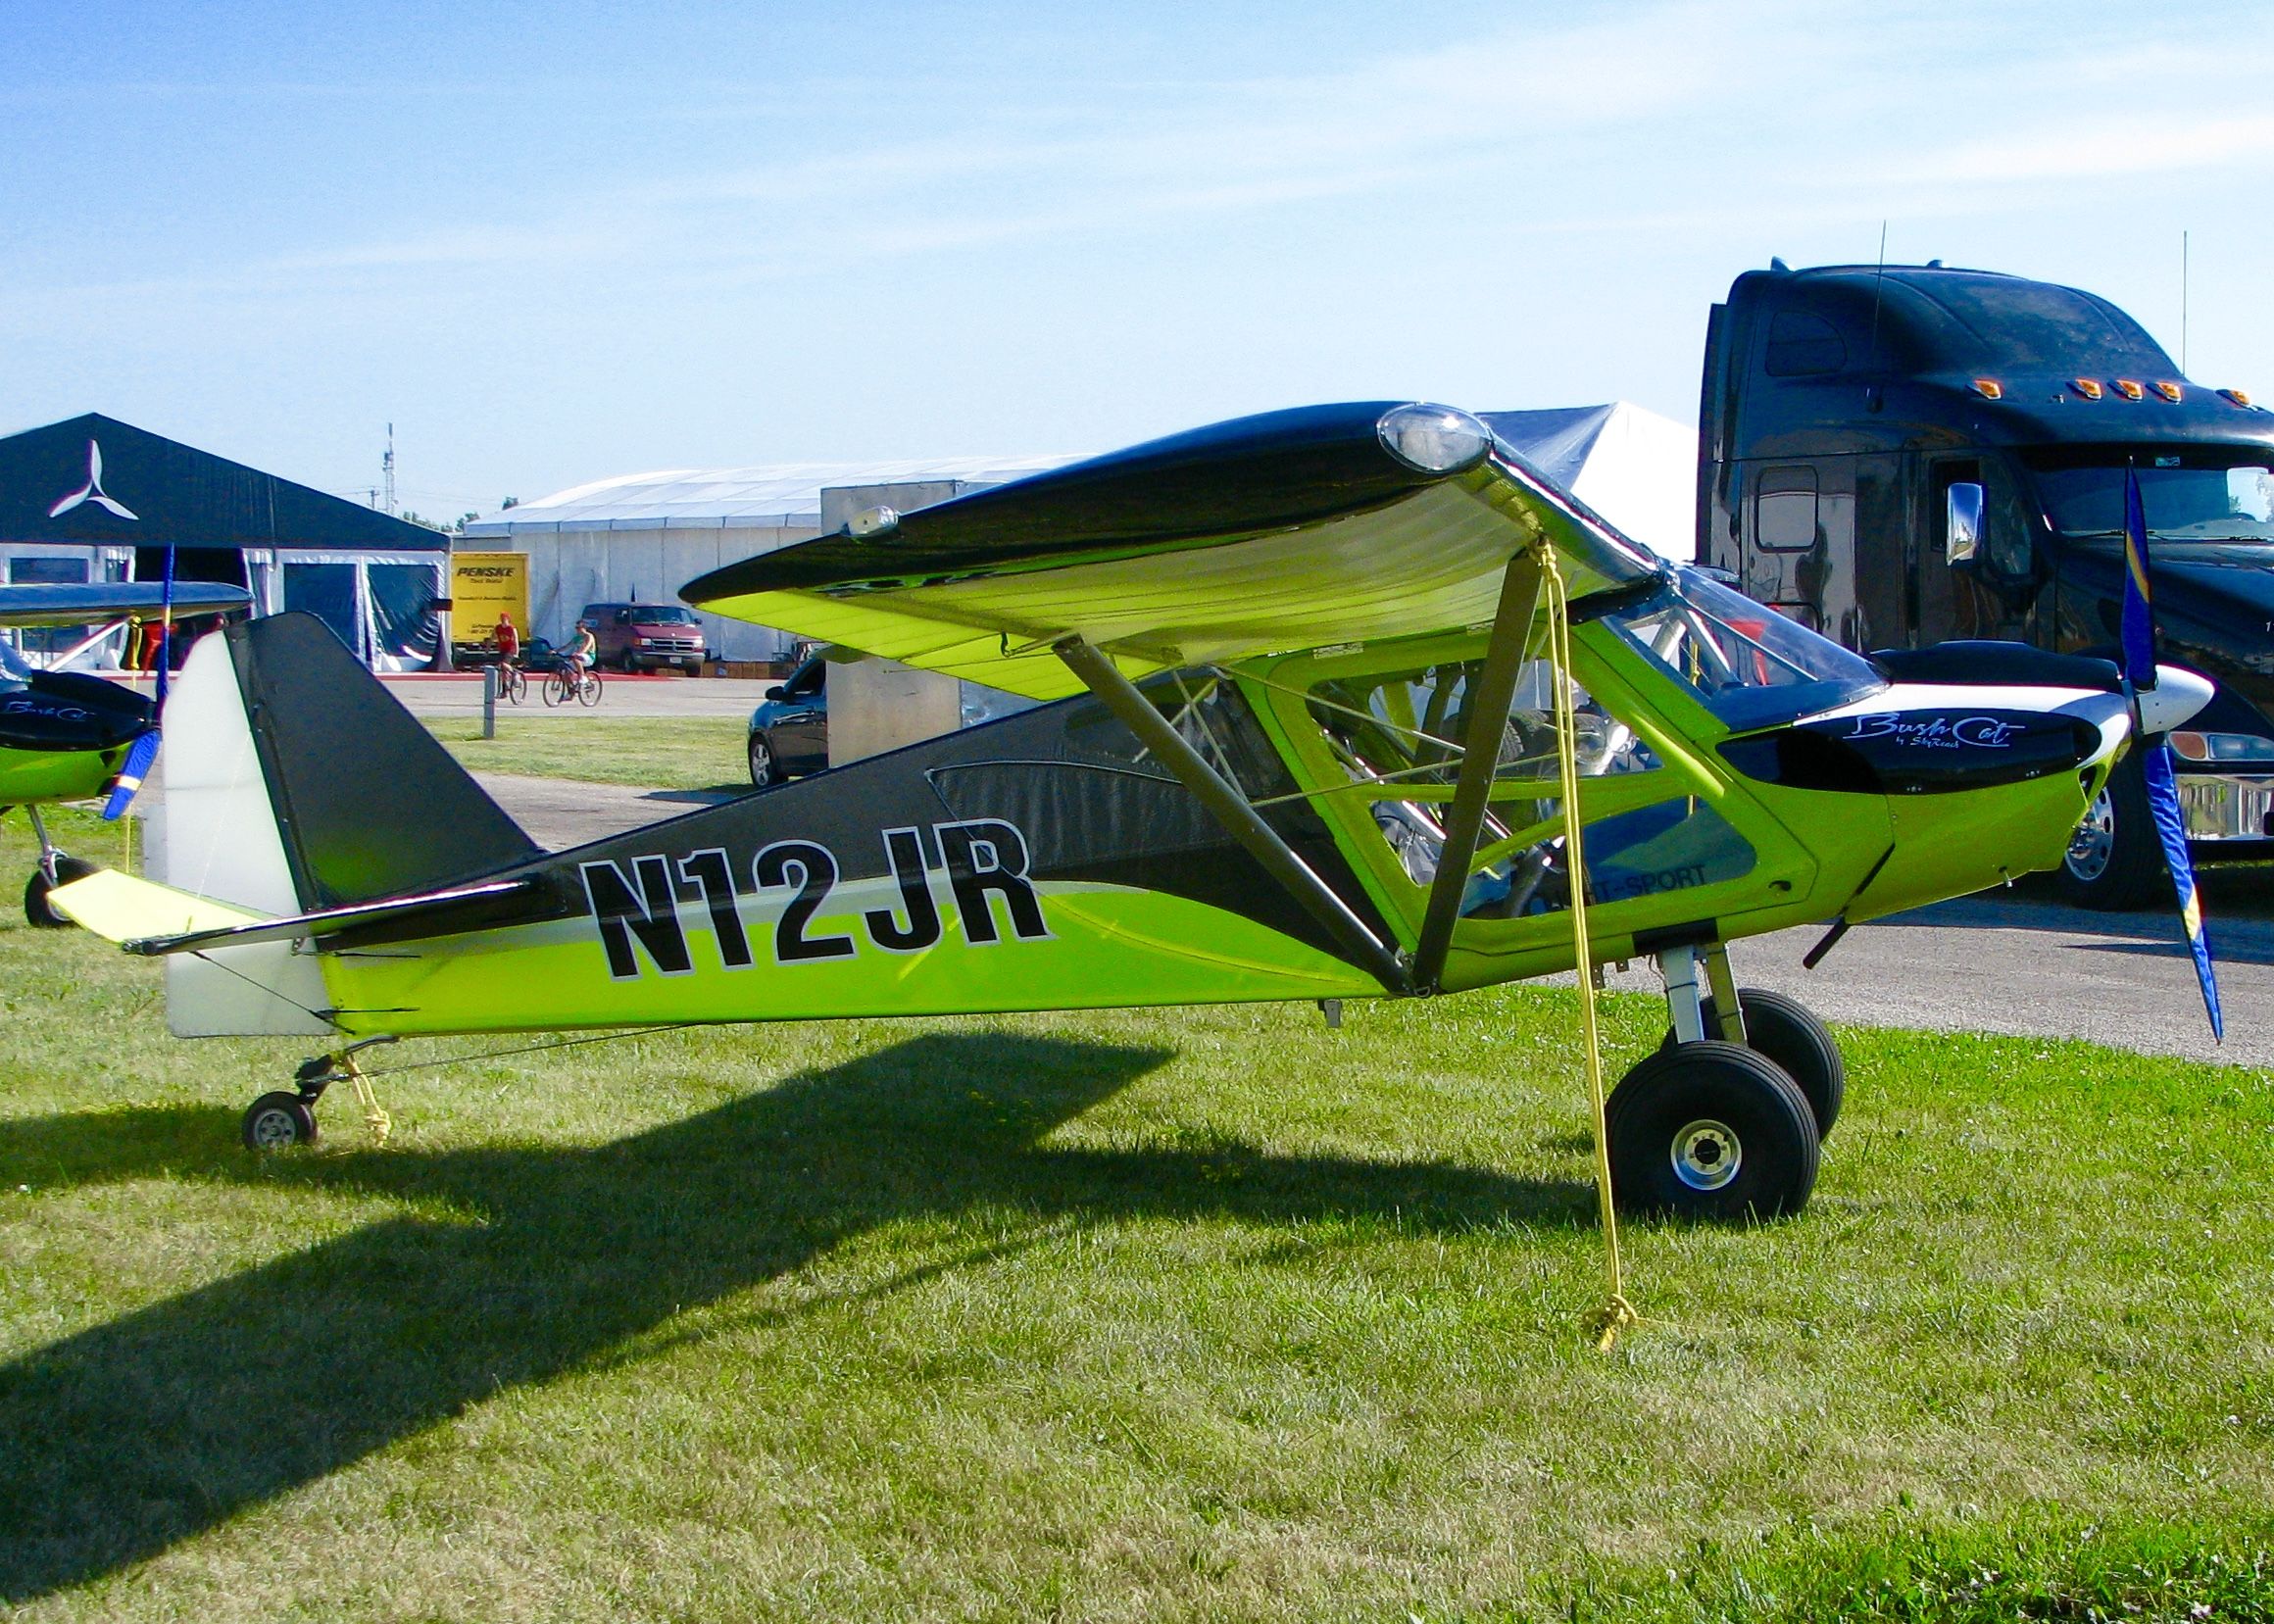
[{"x": 277, "y": 725}]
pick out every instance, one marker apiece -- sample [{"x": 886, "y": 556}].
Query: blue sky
[{"x": 556, "y": 243}]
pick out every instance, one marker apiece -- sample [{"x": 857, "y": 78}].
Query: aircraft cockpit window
[
  {"x": 1752, "y": 666},
  {"x": 1403, "y": 731},
  {"x": 14, "y": 671}
]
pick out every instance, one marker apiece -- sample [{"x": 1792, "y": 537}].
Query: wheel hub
[
  {"x": 1706, "y": 1154},
  {"x": 274, "y": 1129},
  {"x": 2094, "y": 841}
]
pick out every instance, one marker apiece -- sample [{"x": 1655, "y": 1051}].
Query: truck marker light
[
  {"x": 2088, "y": 387},
  {"x": 2169, "y": 391},
  {"x": 1989, "y": 388},
  {"x": 2130, "y": 389},
  {"x": 2236, "y": 396}
]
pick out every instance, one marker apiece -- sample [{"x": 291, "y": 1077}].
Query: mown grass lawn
[
  {"x": 654, "y": 751},
  {"x": 1187, "y": 1313}
]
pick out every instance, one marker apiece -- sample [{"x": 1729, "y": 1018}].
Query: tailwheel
[
  {"x": 1788, "y": 1032},
  {"x": 37, "y": 908},
  {"x": 278, "y": 1122},
  {"x": 1712, "y": 1131}
]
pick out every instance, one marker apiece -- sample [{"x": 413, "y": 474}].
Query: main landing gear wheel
[
  {"x": 278, "y": 1122},
  {"x": 2115, "y": 861},
  {"x": 1711, "y": 1131},
  {"x": 37, "y": 908},
  {"x": 1785, "y": 1031}
]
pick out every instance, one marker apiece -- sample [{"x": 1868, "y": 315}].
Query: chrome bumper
[{"x": 2226, "y": 808}]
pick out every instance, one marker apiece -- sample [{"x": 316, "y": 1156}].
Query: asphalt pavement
[{"x": 620, "y": 696}]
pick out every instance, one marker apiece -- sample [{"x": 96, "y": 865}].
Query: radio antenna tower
[{"x": 387, "y": 468}]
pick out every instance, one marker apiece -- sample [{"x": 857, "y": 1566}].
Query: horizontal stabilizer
[
  {"x": 244, "y": 930},
  {"x": 118, "y": 907}
]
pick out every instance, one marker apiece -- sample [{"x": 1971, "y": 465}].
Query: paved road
[
  {"x": 1998, "y": 963},
  {"x": 621, "y": 696}
]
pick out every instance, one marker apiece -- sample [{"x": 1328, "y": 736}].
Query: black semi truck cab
[{"x": 1905, "y": 455}]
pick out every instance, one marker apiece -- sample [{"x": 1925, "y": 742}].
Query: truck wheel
[
  {"x": 2114, "y": 861},
  {"x": 1711, "y": 1131},
  {"x": 1789, "y": 1033}
]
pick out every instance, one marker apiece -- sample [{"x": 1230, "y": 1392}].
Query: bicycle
[
  {"x": 560, "y": 688},
  {"x": 511, "y": 685}
]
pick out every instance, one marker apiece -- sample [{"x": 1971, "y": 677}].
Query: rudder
[{"x": 368, "y": 802}]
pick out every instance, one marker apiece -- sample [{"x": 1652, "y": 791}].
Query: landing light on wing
[{"x": 1433, "y": 439}]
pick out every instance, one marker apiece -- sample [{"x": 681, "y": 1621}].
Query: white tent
[
  {"x": 642, "y": 536},
  {"x": 1636, "y": 469}
]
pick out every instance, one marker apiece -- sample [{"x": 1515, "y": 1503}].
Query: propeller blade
[
  {"x": 131, "y": 771},
  {"x": 2137, "y": 633},
  {"x": 2171, "y": 829}
]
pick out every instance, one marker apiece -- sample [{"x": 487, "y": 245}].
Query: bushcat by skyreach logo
[
  {"x": 92, "y": 490},
  {"x": 1937, "y": 732}
]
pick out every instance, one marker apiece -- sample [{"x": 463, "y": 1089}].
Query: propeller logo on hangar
[{"x": 92, "y": 490}]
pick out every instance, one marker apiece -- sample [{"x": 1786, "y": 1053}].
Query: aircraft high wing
[
  {"x": 65, "y": 735},
  {"x": 94, "y": 603},
  {"x": 1351, "y": 704}
]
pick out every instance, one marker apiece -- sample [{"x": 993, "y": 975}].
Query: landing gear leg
[
  {"x": 280, "y": 1121},
  {"x": 1726, "y": 1003},
  {"x": 55, "y": 868},
  {"x": 1766, "y": 1022},
  {"x": 1679, "y": 966}
]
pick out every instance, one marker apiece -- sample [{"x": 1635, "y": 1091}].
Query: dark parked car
[
  {"x": 789, "y": 734},
  {"x": 635, "y": 637}
]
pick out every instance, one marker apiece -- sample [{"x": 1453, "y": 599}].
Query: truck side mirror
[{"x": 1962, "y": 523}]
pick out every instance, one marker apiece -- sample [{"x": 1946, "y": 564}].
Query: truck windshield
[
  {"x": 1751, "y": 666},
  {"x": 2181, "y": 504},
  {"x": 674, "y": 616}
]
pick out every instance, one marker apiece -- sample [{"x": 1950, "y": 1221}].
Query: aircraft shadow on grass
[{"x": 120, "y": 1441}]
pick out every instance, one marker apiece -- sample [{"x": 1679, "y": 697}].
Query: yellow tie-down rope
[{"x": 1616, "y": 1312}]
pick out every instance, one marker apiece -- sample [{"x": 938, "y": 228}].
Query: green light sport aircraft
[
  {"x": 1305, "y": 747},
  {"x": 67, "y": 735}
]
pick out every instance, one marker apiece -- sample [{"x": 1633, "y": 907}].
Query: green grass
[
  {"x": 1189, "y": 1313},
  {"x": 653, "y": 752}
]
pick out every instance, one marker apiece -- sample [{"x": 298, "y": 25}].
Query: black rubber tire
[
  {"x": 277, "y": 1122},
  {"x": 37, "y": 908},
  {"x": 1788, "y": 1032},
  {"x": 764, "y": 766},
  {"x": 588, "y": 691},
  {"x": 1732, "y": 1109},
  {"x": 2129, "y": 874}
]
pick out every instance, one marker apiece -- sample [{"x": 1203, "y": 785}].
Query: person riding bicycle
[
  {"x": 508, "y": 639},
  {"x": 582, "y": 650}
]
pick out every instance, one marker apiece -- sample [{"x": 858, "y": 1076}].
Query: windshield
[
  {"x": 1751, "y": 666},
  {"x": 2181, "y": 504},
  {"x": 663, "y": 617},
  {"x": 12, "y": 665}
]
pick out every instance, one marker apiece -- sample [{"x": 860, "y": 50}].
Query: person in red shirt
[{"x": 508, "y": 640}]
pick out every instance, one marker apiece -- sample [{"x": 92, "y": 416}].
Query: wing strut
[
  {"x": 1492, "y": 690},
  {"x": 1230, "y": 807}
]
